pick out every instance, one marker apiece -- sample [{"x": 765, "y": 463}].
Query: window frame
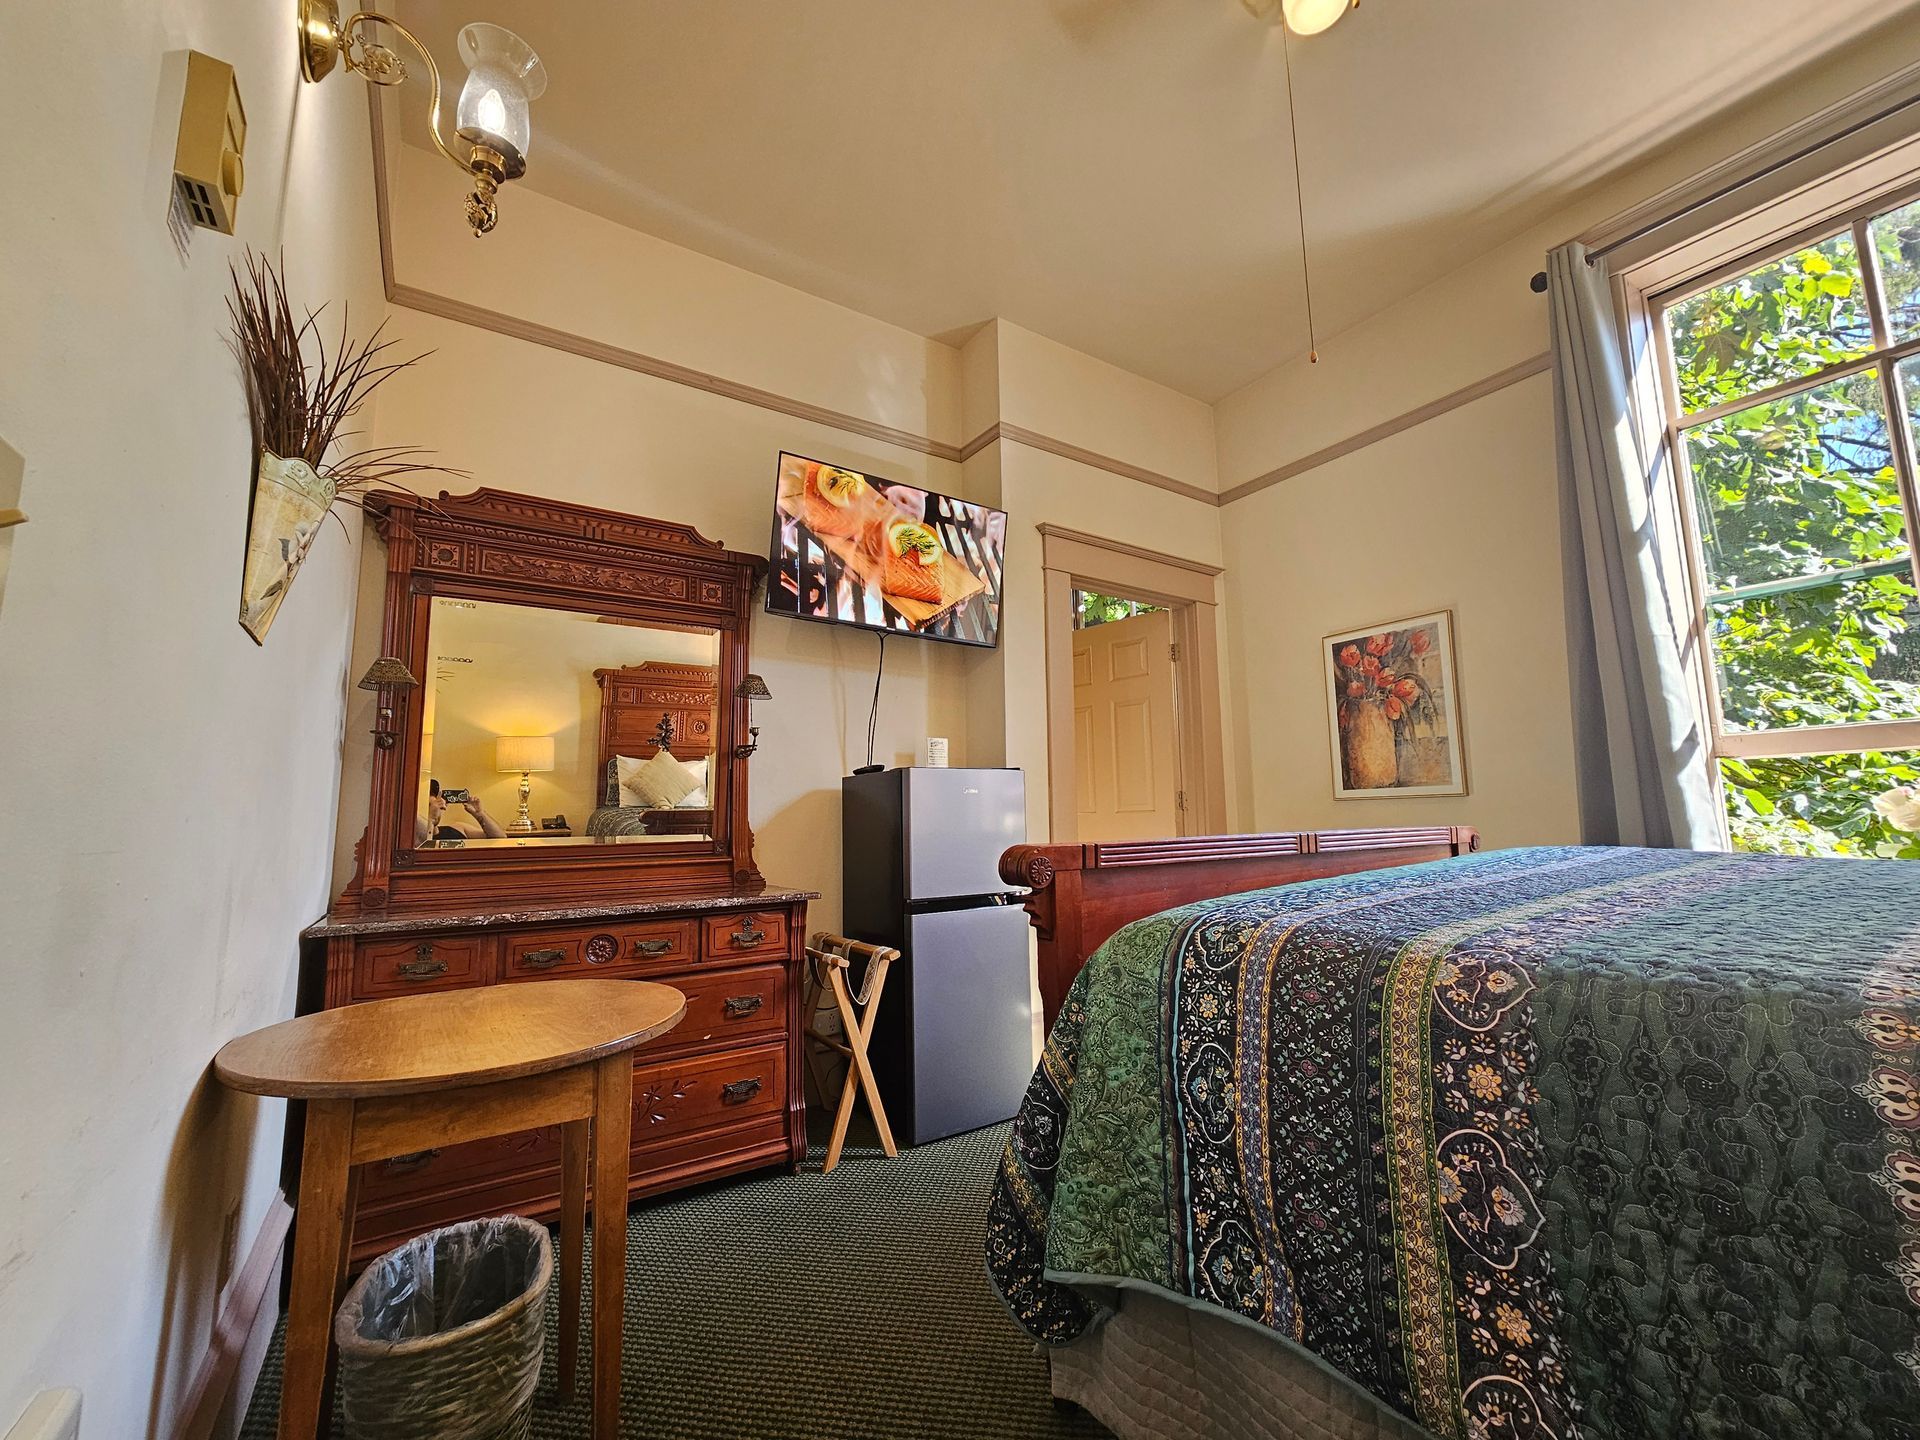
[{"x": 1884, "y": 358}]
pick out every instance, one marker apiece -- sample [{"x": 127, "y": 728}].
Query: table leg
[
  {"x": 612, "y": 1167},
  {"x": 339, "y": 1293},
  {"x": 321, "y": 1227},
  {"x": 574, "y": 1150}
]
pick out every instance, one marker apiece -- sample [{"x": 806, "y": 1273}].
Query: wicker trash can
[{"x": 443, "y": 1336}]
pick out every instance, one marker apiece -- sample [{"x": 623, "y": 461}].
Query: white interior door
[{"x": 1125, "y": 755}]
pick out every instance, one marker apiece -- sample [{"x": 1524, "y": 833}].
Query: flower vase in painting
[{"x": 1393, "y": 706}]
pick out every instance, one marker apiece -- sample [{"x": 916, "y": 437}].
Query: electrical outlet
[
  {"x": 53, "y": 1415},
  {"x": 229, "y": 1247}
]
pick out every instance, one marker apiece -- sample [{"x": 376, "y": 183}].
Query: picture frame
[{"x": 1393, "y": 709}]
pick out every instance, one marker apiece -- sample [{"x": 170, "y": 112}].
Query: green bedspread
[{"x": 1613, "y": 1143}]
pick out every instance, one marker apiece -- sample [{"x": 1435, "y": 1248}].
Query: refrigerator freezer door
[
  {"x": 957, "y": 823},
  {"x": 971, "y": 1019}
]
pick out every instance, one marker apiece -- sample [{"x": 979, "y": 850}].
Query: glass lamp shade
[
  {"x": 504, "y": 76},
  {"x": 521, "y": 754},
  {"x": 1310, "y": 17}
]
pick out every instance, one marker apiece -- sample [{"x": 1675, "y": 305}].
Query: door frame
[{"x": 1074, "y": 560}]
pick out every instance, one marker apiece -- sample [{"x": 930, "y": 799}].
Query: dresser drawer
[
  {"x": 671, "y": 1098},
  {"x": 629, "y": 949},
  {"x": 400, "y": 967},
  {"x": 750, "y": 932},
  {"x": 442, "y": 1166},
  {"x": 727, "y": 1005}
]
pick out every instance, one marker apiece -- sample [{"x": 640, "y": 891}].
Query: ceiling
[{"x": 1116, "y": 174}]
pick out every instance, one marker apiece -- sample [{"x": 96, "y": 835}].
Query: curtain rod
[{"x": 1538, "y": 284}]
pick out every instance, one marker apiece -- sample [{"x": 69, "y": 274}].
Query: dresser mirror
[
  {"x": 606, "y": 725},
  {"x": 586, "y": 660}
]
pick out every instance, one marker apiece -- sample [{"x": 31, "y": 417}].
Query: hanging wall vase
[
  {"x": 290, "y": 501},
  {"x": 302, "y": 389}
]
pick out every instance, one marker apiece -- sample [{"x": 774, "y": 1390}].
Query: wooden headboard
[
  {"x": 1081, "y": 894},
  {"x": 633, "y": 699}
]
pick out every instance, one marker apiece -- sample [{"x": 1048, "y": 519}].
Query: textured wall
[{"x": 170, "y": 787}]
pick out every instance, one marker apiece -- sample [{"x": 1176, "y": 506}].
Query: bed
[
  {"x": 645, "y": 709},
  {"x": 1537, "y": 1143}
]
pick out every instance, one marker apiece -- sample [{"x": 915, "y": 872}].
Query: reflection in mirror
[{"x": 550, "y": 727}]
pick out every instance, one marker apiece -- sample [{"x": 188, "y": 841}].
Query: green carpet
[{"x": 798, "y": 1306}]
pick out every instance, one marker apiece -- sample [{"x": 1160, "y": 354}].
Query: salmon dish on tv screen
[{"x": 853, "y": 549}]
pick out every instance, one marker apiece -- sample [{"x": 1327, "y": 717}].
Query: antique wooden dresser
[{"x": 486, "y": 593}]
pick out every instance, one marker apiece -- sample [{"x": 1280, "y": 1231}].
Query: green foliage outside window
[
  {"x": 1810, "y": 596},
  {"x": 1092, "y": 608}
]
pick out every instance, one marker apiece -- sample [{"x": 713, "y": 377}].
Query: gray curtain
[{"x": 1641, "y": 747}]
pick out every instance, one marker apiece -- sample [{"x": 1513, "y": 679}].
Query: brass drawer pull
[
  {"x": 653, "y": 949},
  {"x": 421, "y": 966},
  {"x": 407, "y": 1164},
  {"x": 739, "y": 1090},
  {"x": 542, "y": 959},
  {"x": 748, "y": 935},
  {"x": 744, "y": 1004}
]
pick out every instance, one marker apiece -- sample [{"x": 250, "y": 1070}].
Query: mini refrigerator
[{"x": 952, "y": 1047}]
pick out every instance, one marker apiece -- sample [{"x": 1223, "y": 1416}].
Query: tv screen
[{"x": 853, "y": 549}]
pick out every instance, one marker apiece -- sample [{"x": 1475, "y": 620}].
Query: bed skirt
[{"x": 1160, "y": 1370}]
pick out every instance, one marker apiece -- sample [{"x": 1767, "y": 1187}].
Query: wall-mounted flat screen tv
[{"x": 853, "y": 549}]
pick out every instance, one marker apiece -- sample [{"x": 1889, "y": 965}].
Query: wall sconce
[
  {"x": 750, "y": 689},
  {"x": 504, "y": 75},
  {"x": 386, "y": 675}
]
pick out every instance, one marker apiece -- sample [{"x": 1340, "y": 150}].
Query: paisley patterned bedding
[
  {"x": 1538, "y": 1143},
  {"x": 607, "y": 820}
]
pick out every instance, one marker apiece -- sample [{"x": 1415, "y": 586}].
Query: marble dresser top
[{"x": 683, "y": 902}]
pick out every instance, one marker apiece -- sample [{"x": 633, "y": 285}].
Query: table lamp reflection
[{"x": 523, "y": 755}]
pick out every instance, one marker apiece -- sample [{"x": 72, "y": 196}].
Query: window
[
  {"x": 1092, "y": 608},
  {"x": 1793, "y": 393}
]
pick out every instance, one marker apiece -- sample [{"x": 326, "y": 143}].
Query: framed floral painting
[{"x": 1394, "y": 706}]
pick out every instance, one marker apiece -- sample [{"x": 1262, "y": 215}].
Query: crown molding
[
  {"x": 1386, "y": 429},
  {"x": 462, "y": 312},
  {"x": 1034, "y": 440}
]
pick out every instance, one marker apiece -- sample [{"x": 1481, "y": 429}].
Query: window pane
[
  {"x": 1830, "y": 653},
  {"x": 1896, "y": 241},
  {"x": 1797, "y": 486},
  {"x": 1092, "y": 608},
  {"x": 1820, "y": 804},
  {"x": 1907, "y": 372},
  {"x": 1802, "y": 312}
]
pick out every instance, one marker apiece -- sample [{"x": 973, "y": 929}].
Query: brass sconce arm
[
  {"x": 387, "y": 675},
  {"x": 750, "y": 689},
  {"x": 325, "y": 41}
]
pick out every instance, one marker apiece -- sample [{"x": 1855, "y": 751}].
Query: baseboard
[{"x": 236, "y": 1325}]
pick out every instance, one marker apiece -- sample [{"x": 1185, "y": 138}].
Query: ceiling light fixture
[
  {"x": 1302, "y": 17},
  {"x": 503, "y": 77}
]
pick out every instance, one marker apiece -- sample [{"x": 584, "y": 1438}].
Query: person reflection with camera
[{"x": 433, "y": 827}]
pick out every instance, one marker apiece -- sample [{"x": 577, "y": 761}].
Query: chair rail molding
[{"x": 462, "y": 312}]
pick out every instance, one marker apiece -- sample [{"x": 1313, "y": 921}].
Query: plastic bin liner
[{"x": 444, "y": 1335}]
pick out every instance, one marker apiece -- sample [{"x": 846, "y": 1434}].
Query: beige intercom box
[{"x": 207, "y": 165}]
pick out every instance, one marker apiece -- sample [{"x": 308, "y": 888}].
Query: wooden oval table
[{"x": 390, "y": 1077}]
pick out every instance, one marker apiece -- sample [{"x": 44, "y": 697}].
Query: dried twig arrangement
[{"x": 298, "y": 406}]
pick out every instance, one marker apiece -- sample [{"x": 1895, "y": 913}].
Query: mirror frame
[{"x": 527, "y": 550}]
